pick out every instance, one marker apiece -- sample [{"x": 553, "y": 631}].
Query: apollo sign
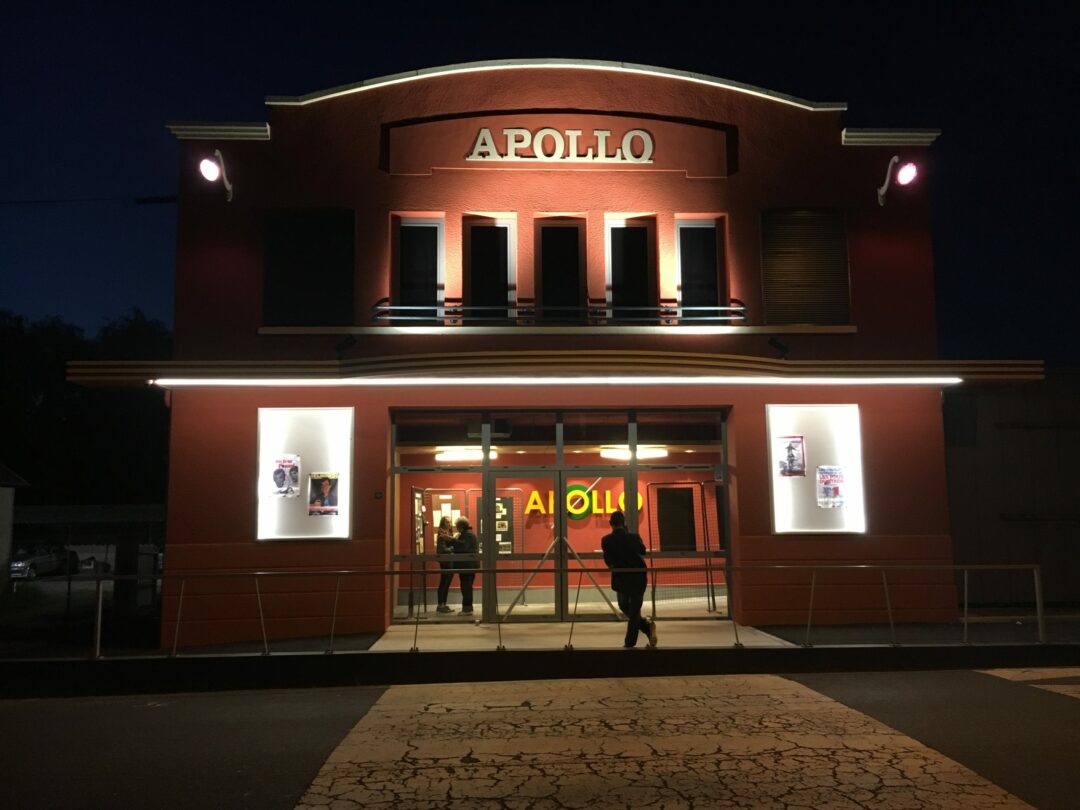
[
  {"x": 550, "y": 145},
  {"x": 581, "y": 502}
]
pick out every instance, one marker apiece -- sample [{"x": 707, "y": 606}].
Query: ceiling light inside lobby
[
  {"x": 622, "y": 452},
  {"x": 462, "y": 454}
]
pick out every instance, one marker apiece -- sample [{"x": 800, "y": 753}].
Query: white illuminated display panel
[
  {"x": 815, "y": 469},
  {"x": 305, "y": 473}
]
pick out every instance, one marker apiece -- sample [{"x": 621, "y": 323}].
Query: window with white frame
[
  {"x": 699, "y": 268},
  {"x": 631, "y": 289},
  {"x": 419, "y": 281},
  {"x": 490, "y": 268}
]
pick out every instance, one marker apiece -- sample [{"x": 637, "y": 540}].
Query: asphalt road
[{"x": 255, "y": 749}]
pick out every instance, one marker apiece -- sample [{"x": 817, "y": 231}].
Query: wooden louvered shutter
[{"x": 805, "y": 267}]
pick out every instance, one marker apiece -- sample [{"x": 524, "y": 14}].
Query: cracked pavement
[{"x": 758, "y": 741}]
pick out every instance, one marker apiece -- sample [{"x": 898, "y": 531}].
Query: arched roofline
[{"x": 581, "y": 64}]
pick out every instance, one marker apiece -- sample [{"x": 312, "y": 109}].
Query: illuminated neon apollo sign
[
  {"x": 581, "y": 501},
  {"x": 550, "y": 145}
]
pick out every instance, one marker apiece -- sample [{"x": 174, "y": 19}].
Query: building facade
[{"x": 530, "y": 293}]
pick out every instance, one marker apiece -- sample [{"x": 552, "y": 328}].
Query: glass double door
[{"x": 540, "y": 534}]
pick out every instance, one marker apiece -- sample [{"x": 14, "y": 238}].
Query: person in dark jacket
[
  {"x": 444, "y": 544},
  {"x": 626, "y": 550},
  {"x": 466, "y": 543}
]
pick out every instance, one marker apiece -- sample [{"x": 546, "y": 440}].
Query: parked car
[{"x": 43, "y": 561}]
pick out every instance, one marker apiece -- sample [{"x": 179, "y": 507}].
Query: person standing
[
  {"x": 466, "y": 543},
  {"x": 625, "y": 550},
  {"x": 444, "y": 544}
]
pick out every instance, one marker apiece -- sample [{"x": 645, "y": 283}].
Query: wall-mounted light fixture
[
  {"x": 905, "y": 175},
  {"x": 781, "y": 348},
  {"x": 213, "y": 169}
]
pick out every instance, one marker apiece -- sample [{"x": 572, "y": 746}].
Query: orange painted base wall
[{"x": 211, "y": 521}]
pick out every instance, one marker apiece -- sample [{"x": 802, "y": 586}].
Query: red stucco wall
[
  {"x": 342, "y": 152},
  {"x": 212, "y": 509}
]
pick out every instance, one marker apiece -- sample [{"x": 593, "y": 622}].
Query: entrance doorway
[
  {"x": 539, "y": 488},
  {"x": 560, "y": 564}
]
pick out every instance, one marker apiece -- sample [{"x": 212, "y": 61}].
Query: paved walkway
[
  {"x": 681, "y": 634},
  {"x": 719, "y": 741}
]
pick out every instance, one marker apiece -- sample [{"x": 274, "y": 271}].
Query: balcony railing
[{"x": 526, "y": 312}]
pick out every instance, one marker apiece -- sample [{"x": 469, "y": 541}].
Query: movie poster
[
  {"x": 322, "y": 494},
  {"x": 286, "y": 476},
  {"x": 830, "y": 487},
  {"x": 791, "y": 450}
]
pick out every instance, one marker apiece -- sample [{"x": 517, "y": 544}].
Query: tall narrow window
[
  {"x": 805, "y": 267},
  {"x": 490, "y": 278},
  {"x": 562, "y": 272},
  {"x": 631, "y": 269},
  {"x": 699, "y": 263},
  {"x": 308, "y": 267},
  {"x": 419, "y": 270}
]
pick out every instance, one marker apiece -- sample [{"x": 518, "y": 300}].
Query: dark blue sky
[{"x": 85, "y": 92}]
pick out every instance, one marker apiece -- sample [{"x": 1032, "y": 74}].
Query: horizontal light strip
[
  {"x": 573, "y": 64},
  {"x": 390, "y": 382}
]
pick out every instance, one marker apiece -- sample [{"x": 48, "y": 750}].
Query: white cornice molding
[
  {"x": 888, "y": 137},
  {"x": 541, "y": 64},
  {"x": 221, "y": 131}
]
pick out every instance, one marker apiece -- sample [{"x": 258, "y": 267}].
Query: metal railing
[
  {"x": 454, "y": 313},
  {"x": 657, "y": 574},
  {"x": 1035, "y": 570}
]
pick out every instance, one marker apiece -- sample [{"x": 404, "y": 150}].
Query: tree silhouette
[{"x": 78, "y": 445}]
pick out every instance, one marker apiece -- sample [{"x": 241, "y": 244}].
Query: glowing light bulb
[
  {"x": 210, "y": 169},
  {"x": 906, "y": 174}
]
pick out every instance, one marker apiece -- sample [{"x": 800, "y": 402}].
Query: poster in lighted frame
[
  {"x": 833, "y": 450},
  {"x": 323, "y": 438}
]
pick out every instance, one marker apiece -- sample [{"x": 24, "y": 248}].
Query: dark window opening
[
  {"x": 700, "y": 269},
  {"x": 633, "y": 288},
  {"x": 487, "y": 284},
  {"x": 561, "y": 277},
  {"x": 418, "y": 270},
  {"x": 309, "y": 267}
]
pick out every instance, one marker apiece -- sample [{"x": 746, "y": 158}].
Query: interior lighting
[
  {"x": 905, "y": 176},
  {"x": 213, "y": 169},
  {"x": 462, "y": 454},
  {"x": 622, "y": 452}
]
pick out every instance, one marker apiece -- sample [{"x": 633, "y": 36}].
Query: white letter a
[{"x": 485, "y": 147}]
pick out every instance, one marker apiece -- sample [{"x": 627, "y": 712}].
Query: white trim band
[
  {"x": 389, "y": 382},
  {"x": 579, "y": 64}
]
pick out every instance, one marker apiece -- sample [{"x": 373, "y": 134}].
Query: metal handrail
[
  {"x": 452, "y": 313},
  {"x": 656, "y": 571}
]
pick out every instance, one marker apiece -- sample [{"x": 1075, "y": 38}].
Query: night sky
[{"x": 86, "y": 89}]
